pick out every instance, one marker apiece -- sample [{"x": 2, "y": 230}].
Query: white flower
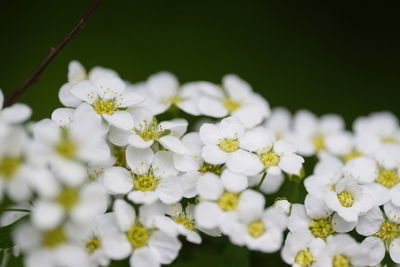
[
  {"x": 108, "y": 98},
  {"x": 375, "y": 130},
  {"x": 147, "y": 131},
  {"x": 313, "y": 135},
  {"x": 258, "y": 230},
  {"x": 279, "y": 122},
  {"x": 284, "y": 205},
  {"x": 343, "y": 250},
  {"x": 153, "y": 177},
  {"x": 223, "y": 145},
  {"x": 162, "y": 91},
  {"x": 66, "y": 148},
  {"x": 81, "y": 205},
  {"x": 180, "y": 222},
  {"x": 14, "y": 170},
  {"x": 274, "y": 156},
  {"x": 52, "y": 247},
  {"x": 302, "y": 249},
  {"x": 349, "y": 200},
  {"x": 318, "y": 226},
  {"x": 76, "y": 74},
  {"x": 383, "y": 234},
  {"x": 15, "y": 114},
  {"x": 237, "y": 99},
  {"x": 131, "y": 235},
  {"x": 219, "y": 197}
]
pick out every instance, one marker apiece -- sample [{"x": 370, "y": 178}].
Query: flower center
[
  {"x": 304, "y": 258},
  {"x": 229, "y": 144},
  {"x": 9, "y": 166},
  {"x": 388, "y": 178},
  {"x": 92, "y": 245},
  {"x": 228, "y": 201},
  {"x": 230, "y": 104},
  {"x": 53, "y": 238},
  {"x": 345, "y": 199},
  {"x": 105, "y": 106},
  {"x": 120, "y": 157},
  {"x": 340, "y": 260},
  {"x": 152, "y": 131},
  {"x": 68, "y": 198},
  {"x": 352, "y": 155},
  {"x": 185, "y": 221},
  {"x": 388, "y": 231},
  {"x": 66, "y": 148},
  {"x": 256, "y": 228},
  {"x": 321, "y": 228},
  {"x": 145, "y": 182},
  {"x": 138, "y": 235},
  {"x": 389, "y": 140},
  {"x": 319, "y": 142},
  {"x": 269, "y": 158},
  {"x": 175, "y": 99},
  {"x": 217, "y": 169}
]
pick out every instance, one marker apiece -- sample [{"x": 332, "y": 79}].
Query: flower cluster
[{"x": 119, "y": 173}]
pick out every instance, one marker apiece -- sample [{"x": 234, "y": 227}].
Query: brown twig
[{"x": 35, "y": 76}]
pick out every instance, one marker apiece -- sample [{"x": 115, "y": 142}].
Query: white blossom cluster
[{"x": 116, "y": 175}]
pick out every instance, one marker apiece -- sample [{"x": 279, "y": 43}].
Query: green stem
[{"x": 262, "y": 180}]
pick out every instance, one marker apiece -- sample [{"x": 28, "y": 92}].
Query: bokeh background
[{"x": 340, "y": 57}]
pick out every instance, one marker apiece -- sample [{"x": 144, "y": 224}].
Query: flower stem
[
  {"x": 262, "y": 180},
  {"x": 17, "y": 210}
]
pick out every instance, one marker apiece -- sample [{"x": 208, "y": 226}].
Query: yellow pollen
[
  {"x": 185, "y": 221},
  {"x": 321, "y": 228},
  {"x": 66, "y": 148},
  {"x": 228, "y": 201},
  {"x": 150, "y": 132},
  {"x": 92, "y": 245},
  {"x": 120, "y": 157},
  {"x": 352, "y": 155},
  {"x": 211, "y": 168},
  {"x": 230, "y": 104},
  {"x": 175, "y": 99},
  {"x": 319, "y": 142},
  {"x": 345, "y": 199},
  {"x": 53, "y": 238},
  {"x": 107, "y": 106},
  {"x": 389, "y": 140},
  {"x": 229, "y": 144},
  {"x": 145, "y": 182},
  {"x": 68, "y": 198},
  {"x": 138, "y": 235},
  {"x": 388, "y": 231},
  {"x": 269, "y": 158},
  {"x": 341, "y": 260},
  {"x": 256, "y": 228},
  {"x": 388, "y": 178},
  {"x": 9, "y": 166},
  {"x": 304, "y": 258}
]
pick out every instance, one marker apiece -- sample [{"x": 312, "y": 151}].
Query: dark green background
[{"x": 338, "y": 57}]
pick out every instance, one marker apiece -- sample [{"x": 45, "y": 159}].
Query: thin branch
[{"x": 35, "y": 76}]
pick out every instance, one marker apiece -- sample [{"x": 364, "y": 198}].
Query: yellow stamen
[
  {"x": 229, "y": 144},
  {"x": 345, "y": 199},
  {"x": 304, "y": 258},
  {"x": 228, "y": 201},
  {"x": 138, "y": 235},
  {"x": 256, "y": 228}
]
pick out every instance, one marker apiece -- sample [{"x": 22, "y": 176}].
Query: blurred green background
[{"x": 340, "y": 57}]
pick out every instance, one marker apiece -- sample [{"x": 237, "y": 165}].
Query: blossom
[
  {"x": 236, "y": 99},
  {"x": 383, "y": 234},
  {"x": 223, "y": 144},
  {"x": 301, "y": 249},
  {"x": 129, "y": 235},
  {"x": 147, "y": 131},
  {"x": 153, "y": 177},
  {"x": 219, "y": 197},
  {"x": 108, "y": 98},
  {"x": 162, "y": 90}
]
